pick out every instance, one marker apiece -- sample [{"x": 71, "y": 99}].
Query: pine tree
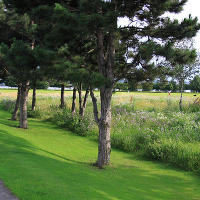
[
  {"x": 20, "y": 52},
  {"x": 151, "y": 26},
  {"x": 20, "y": 62},
  {"x": 195, "y": 84},
  {"x": 184, "y": 65}
]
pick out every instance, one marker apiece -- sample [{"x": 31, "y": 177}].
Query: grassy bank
[
  {"x": 147, "y": 123},
  {"x": 46, "y": 162}
]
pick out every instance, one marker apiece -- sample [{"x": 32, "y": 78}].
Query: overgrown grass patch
[{"x": 180, "y": 154}]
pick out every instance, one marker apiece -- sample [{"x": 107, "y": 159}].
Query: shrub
[
  {"x": 64, "y": 118},
  {"x": 34, "y": 113},
  {"x": 7, "y": 104},
  {"x": 180, "y": 154}
]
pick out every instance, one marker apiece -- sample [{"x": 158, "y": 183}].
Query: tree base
[{"x": 97, "y": 166}]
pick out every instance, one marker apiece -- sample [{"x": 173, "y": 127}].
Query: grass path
[{"x": 48, "y": 163}]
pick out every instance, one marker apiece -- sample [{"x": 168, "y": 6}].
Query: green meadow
[{"x": 155, "y": 155}]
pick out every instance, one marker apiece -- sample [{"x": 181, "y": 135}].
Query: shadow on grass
[
  {"x": 9, "y": 122},
  {"x": 35, "y": 173}
]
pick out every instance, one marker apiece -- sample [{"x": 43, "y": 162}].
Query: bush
[
  {"x": 7, "y": 104},
  {"x": 42, "y": 85},
  {"x": 80, "y": 126},
  {"x": 180, "y": 154},
  {"x": 34, "y": 113}
]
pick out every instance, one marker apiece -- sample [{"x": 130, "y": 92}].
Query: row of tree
[
  {"x": 193, "y": 85},
  {"x": 159, "y": 85},
  {"x": 79, "y": 41}
]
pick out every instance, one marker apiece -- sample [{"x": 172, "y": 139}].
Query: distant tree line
[{"x": 159, "y": 85}]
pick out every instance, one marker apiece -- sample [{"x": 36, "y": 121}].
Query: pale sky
[{"x": 192, "y": 7}]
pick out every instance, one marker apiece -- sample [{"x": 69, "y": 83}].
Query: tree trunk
[
  {"x": 106, "y": 65},
  {"x": 35, "y": 76},
  {"x": 95, "y": 108},
  {"x": 85, "y": 102},
  {"x": 23, "y": 105},
  {"x": 34, "y": 97},
  {"x": 80, "y": 99},
  {"x": 62, "y": 99},
  {"x": 181, "y": 98},
  {"x": 17, "y": 104},
  {"x": 104, "y": 125},
  {"x": 74, "y": 101}
]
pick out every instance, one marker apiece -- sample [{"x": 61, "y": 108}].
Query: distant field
[{"x": 141, "y": 100}]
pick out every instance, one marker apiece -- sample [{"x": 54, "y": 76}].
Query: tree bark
[
  {"x": 95, "y": 108},
  {"x": 104, "y": 125},
  {"x": 62, "y": 99},
  {"x": 17, "y": 104},
  {"x": 85, "y": 102},
  {"x": 34, "y": 97},
  {"x": 35, "y": 76},
  {"x": 80, "y": 99},
  {"x": 82, "y": 103},
  {"x": 106, "y": 65},
  {"x": 74, "y": 101},
  {"x": 23, "y": 105},
  {"x": 181, "y": 98}
]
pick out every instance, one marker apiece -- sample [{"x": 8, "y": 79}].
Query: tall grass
[{"x": 151, "y": 125}]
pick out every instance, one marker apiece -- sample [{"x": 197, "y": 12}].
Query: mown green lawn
[{"x": 48, "y": 163}]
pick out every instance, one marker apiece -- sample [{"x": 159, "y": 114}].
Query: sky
[{"x": 192, "y": 7}]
